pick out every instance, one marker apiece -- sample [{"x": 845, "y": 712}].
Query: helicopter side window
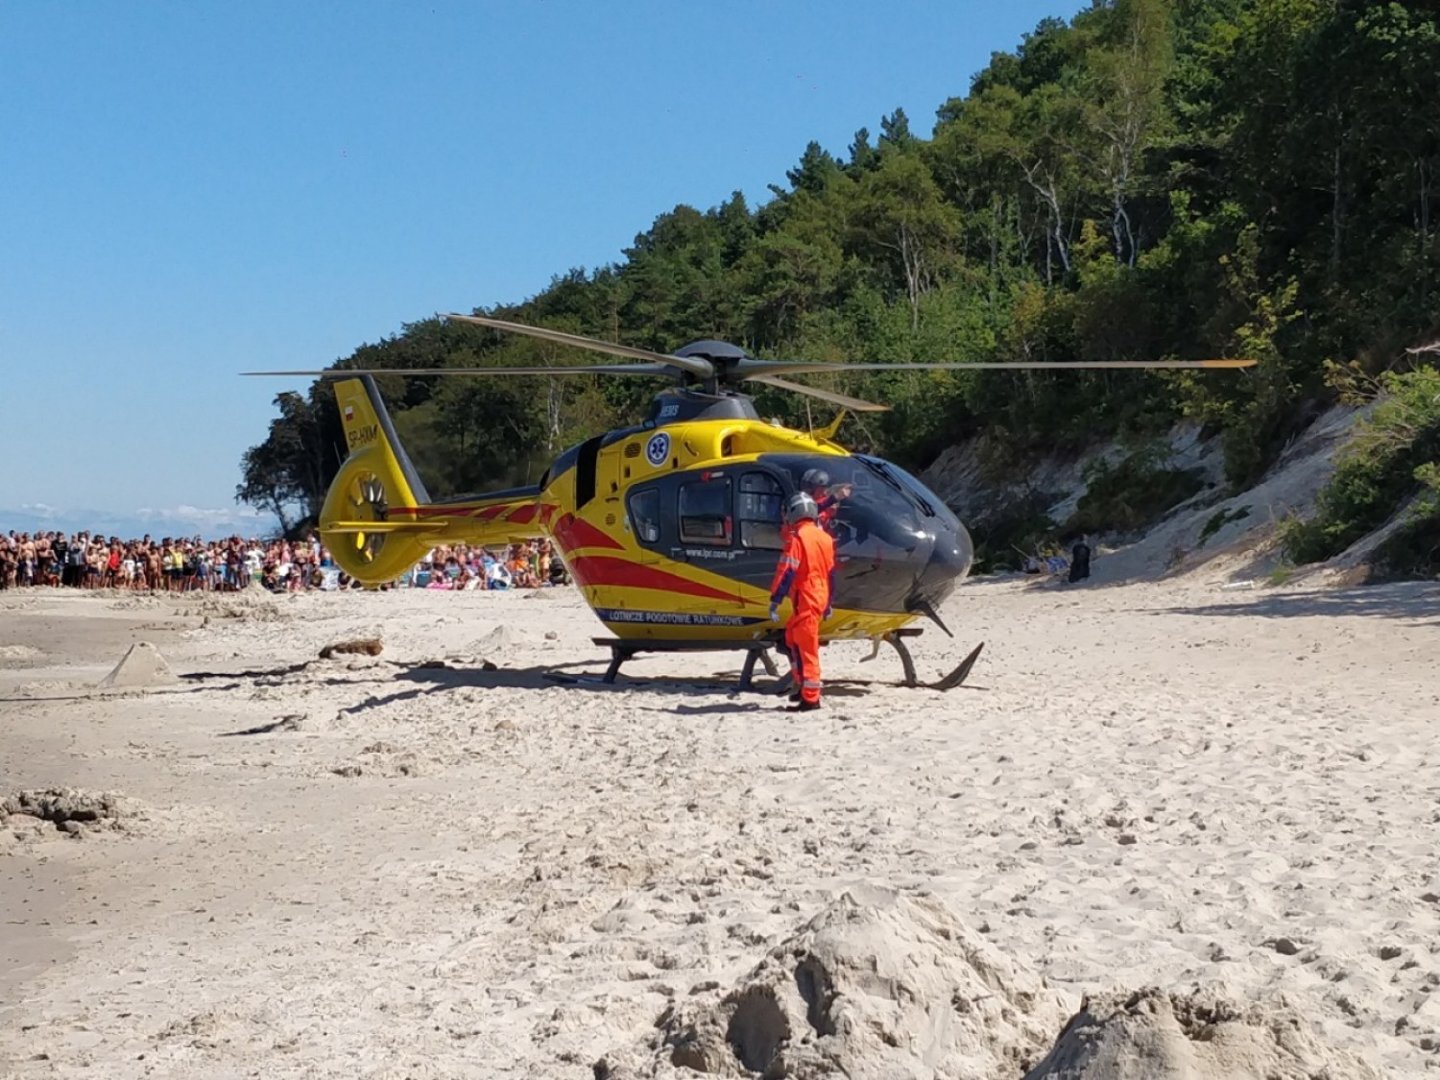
[
  {"x": 645, "y": 514},
  {"x": 758, "y": 511},
  {"x": 705, "y": 511}
]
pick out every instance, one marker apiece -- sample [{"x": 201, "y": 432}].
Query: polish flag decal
[{"x": 349, "y": 413}]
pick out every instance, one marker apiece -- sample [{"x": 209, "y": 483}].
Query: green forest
[{"x": 1152, "y": 179}]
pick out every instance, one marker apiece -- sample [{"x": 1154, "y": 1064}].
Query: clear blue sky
[{"x": 189, "y": 190}]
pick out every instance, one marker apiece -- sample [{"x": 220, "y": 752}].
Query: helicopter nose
[{"x": 949, "y": 562}]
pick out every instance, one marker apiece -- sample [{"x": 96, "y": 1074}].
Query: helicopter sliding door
[
  {"x": 723, "y": 522},
  {"x": 680, "y": 525},
  {"x": 726, "y": 522}
]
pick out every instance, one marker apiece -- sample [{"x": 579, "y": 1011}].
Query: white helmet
[{"x": 800, "y": 507}]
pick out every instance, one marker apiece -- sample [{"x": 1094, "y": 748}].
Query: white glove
[{"x": 774, "y": 612}]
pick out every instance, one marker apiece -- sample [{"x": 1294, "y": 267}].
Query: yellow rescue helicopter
[{"x": 672, "y": 528}]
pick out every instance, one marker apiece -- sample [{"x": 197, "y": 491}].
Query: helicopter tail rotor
[{"x": 364, "y": 521}]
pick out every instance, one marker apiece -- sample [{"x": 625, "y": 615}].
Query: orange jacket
[{"x": 807, "y": 570}]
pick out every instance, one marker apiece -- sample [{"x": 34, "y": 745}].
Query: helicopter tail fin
[
  {"x": 367, "y": 424},
  {"x": 376, "y": 480}
]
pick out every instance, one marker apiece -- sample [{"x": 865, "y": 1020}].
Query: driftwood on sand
[{"x": 368, "y": 646}]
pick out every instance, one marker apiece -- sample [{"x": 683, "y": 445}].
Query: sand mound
[
  {"x": 249, "y": 605},
  {"x": 43, "y": 688},
  {"x": 69, "y": 810},
  {"x": 1154, "y": 1035},
  {"x": 497, "y": 640},
  {"x": 878, "y": 986},
  {"x": 141, "y": 667},
  {"x": 18, "y": 655},
  {"x": 881, "y": 986},
  {"x": 132, "y": 601}
]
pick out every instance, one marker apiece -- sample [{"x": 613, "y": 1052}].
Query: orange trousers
[{"x": 802, "y": 639}]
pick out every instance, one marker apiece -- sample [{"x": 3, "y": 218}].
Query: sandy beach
[{"x": 439, "y": 862}]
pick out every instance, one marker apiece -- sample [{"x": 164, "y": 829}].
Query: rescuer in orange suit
[{"x": 806, "y": 574}]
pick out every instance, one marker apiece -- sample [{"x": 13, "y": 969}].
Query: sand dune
[{"x": 408, "y": 865}]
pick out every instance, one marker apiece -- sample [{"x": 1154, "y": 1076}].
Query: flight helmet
[
  {"x": 814, "y": 480},
  {"x": 800, "y": 507}
]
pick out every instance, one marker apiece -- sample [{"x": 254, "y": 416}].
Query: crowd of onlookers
[
  {"x": 170, "y": 564},
  {"x": 519, "y": 566}
]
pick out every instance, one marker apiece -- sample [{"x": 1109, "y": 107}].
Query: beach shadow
[
  {"x": 426, "y": 679},
  {"x": 1413, "y": 602},
  {"x": 836, "y": 686},
  {"x": 285, "y": 723},
  {"x": 770, "y": 701},
  {"x": 252, "y": 673},
  {"x": 430, "y": 677},
  {"x": 712, "y": 710}
]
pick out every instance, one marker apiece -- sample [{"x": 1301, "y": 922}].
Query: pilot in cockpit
[{"x": 816, "y": 484}]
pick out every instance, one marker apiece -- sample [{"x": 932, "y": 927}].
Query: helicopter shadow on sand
[
  {"x": 435, "y": 676},
  {"x": 438, "y": 676},
  {"x": 431, "y": 677}
]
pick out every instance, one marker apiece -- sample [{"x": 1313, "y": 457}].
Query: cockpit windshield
[
  {"x": 929, "y": 502},
  {"x": 858, "y": 501}
]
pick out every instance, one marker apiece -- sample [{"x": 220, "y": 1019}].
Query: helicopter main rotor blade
[
  {"x": 853, "y": 403},
  {"x": 692, "y": 364},
  {"x": 665, "y": 370},
  {"x": 751, "y": 369}
]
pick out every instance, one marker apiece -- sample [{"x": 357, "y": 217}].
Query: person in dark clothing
[
  {"x": 60, "y": 547},
  {"x": 1080, "y": 561}
]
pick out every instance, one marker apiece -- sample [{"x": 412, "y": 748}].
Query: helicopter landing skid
[
  {"x": 758, "y": 650},
  {"x": 896, "y": 640}
]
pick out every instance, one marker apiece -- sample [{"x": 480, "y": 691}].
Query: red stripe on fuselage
[
  {"x": 575, "y": 533},
  {"x": 608, "y": 570}
]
